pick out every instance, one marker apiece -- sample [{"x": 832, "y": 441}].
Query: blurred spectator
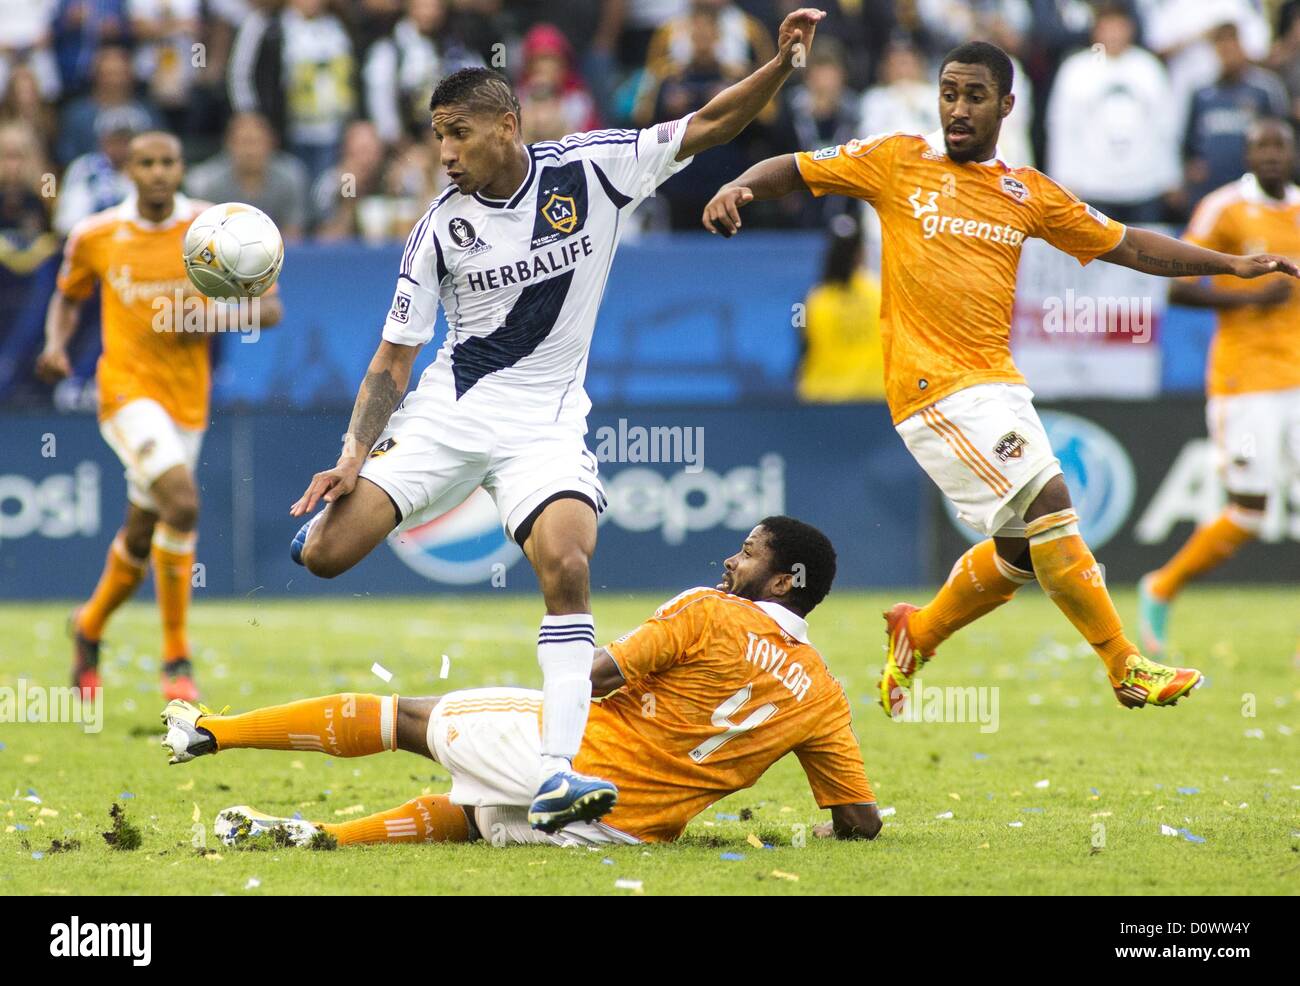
[
  {"x": 349, "y": 199},
  {"x": 402, "y": 69},
  {"x": 1285, "y": 55},
  {"x": 26, "y": 39},
  {"x": 1181, "y": 33},
  {"x": 97, "y": 180},
  {"x": 22, "y": 101},
  {"x": 371, "y": 20},
  {"x": 414, "y": 178},
  {"x": 251, "y": 170},
  {"x": 740, "y": 42},
  {"x": 906, "y": 100},
  {"x": 948, "y": 23},
  {"x": 549, "y": 75},
  {"x": 1111, "y": 138},
  {"x": 823, "y": 113},
  {"x": 81, "y": 28},
  {"x": 29, "y": 254},
  {"x": 842, "y": 358},
  {"x": 641, "y": 19},
  {"x": 165, "y": 32},
  {"x": 295, "y": 66},
  {"x": 113, "y": 86},
  {"x": 1214, "y": 149}
]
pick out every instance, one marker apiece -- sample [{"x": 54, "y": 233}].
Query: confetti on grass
[
  {"x": 732, "y": 857},
  {"x": 633, "y": 885},
  {"x": 381, "y": 672}
]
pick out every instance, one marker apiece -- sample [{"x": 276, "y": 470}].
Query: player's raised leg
[
  {"x": 559, "y": 546},
  {"x": 347, "y": 530},
  {"x": 1209, "y": 547},
  {"x": 124, "y": 570},
  {"x": 1073, "y": 580}
]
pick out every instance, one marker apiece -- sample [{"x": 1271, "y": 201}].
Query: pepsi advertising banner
[
  {"x": 1143, "y": 476},
  {"x": 684, "y": 487}
]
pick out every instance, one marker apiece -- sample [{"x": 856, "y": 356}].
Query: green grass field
[{"x": 1067, "y": 796}]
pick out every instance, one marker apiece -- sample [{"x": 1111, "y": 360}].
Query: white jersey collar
[
  {"x": 935, "y": 140},
  {"x": 515, "y": 199},
  {"x": 130, "y": 210},
  {"x": 789, "y": 621},
  {"x": 1253, "y": 192}
]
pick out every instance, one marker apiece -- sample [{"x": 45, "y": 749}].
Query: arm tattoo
[
  {"x": 1174, "y": 268},
  {"x": 376, "y": 401}
]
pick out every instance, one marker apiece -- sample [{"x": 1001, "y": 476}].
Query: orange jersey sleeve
[
  {"x": 1071, "y": 225},
  {"x": 77, "y": 274},
  {"x": 1211, "y": 225},
  {"x": 664, "y": 639},
  {"x": 832, "y": 760},
  {"x": 859, "y": 168}
]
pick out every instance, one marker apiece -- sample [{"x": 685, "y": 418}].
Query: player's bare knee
[
  {"x": 565, "y": 579},
  {"x": 182, "y": 513},
  {"x": 1054, "y": 496},
  {"x": 138, "y": 540},
  {"x": 322, "y": 559},
  {"x": 413, "y": 723}
]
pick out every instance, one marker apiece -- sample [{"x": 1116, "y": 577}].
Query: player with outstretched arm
[
  {"x": 701, "y": 700},
  {"x": 954, "y": 217},
  {"x": 517, "y": 252}
]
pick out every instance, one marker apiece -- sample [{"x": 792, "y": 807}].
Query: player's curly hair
[
  {"x": 479, "y": 90},
  {"x": 805, "y": 552},
  {"x": 990, "y": 56}
]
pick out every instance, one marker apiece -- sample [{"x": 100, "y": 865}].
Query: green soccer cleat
[
  {"x": 236, "y": 826},
  {"x": 1153, "y": 618},
  {"x": 1148, "y": 683}
]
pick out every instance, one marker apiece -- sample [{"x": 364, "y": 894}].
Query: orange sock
[
  {"x": 1072, "y": 579},
  {"x": 980, "y": 582},
  {"x": 343, "y": 725},
  {"x": 432, "y": 818},
  {"x": 1208, "y": 547},
  {"x": 122, "y": 575},
  {"x": 173, "y": 564}
]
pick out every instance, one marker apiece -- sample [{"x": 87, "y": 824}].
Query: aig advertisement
[
  {"x": 682, "y": 485},
  {"x": 1142, "y": 475}
]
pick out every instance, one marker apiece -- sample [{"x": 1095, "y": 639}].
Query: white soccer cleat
[
  {"x": 185, "y": 739},
  {"x": 235, "y": 826}
]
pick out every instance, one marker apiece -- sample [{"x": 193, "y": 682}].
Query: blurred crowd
[{"x": 316, "y": 110}]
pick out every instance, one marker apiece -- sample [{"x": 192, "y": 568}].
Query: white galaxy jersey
[{"x": 521, "y": 279}]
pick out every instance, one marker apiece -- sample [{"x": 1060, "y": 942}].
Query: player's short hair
[
  {"x": 479, "y": 90},
  {"x": 990, "y": 56},
  {"x": 806, "y": 552}
]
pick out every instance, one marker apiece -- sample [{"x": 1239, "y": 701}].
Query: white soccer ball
[{"x": 233, "y": 250}]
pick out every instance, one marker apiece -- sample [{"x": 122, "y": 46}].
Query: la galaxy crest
[{"x": 561, "y": 212}]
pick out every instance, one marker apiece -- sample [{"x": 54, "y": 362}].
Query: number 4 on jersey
[{"x": 730, "y": 730}]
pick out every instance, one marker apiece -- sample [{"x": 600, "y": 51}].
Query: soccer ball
[{"x": 233, "y": 250}]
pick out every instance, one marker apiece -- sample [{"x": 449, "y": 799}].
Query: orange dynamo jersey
[
  {"x": 138, "y": 262},
  {"x": 1254, "y": 348},
  {"x": 718, "y": 689},
  {"x": 952, "y": 238}
]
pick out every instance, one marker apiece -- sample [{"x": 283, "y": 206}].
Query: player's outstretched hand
[
  {"x": 328, "y": 486},
  {"x": 53, "y": 365},
  {"x": 1258, "y": 264},
  {"x": 722, "y": 214},
  {"x": 795, "y": 37}
]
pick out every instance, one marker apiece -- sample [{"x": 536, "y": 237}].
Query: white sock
[{"x": 565, "y": 648}]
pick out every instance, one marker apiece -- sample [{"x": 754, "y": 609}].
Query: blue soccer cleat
[
  {"x": 300, "y": 541},
  {"x": 567, "y": 797},
  {"x": 1153, "y": 618}
]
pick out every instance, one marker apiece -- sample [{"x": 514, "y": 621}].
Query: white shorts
[
  {"x": 983, "y": 446},
  {"x": 149, "y": 442},
  {"x": 430, "y": 461},
  {"x": 1256, "y": 437},
  {"x": 489, "y": 739}
]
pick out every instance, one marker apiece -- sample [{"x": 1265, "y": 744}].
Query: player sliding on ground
[
  {"x": 1253, "y": 378},
  {"x": 702, "y": 699},
  {"x": 954, "y": 217},
  {"x": 517, "y": 251},
  {"x": 153, "y": 379}
]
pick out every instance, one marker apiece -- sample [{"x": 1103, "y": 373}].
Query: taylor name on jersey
[{"x": 521, "y": 279}]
